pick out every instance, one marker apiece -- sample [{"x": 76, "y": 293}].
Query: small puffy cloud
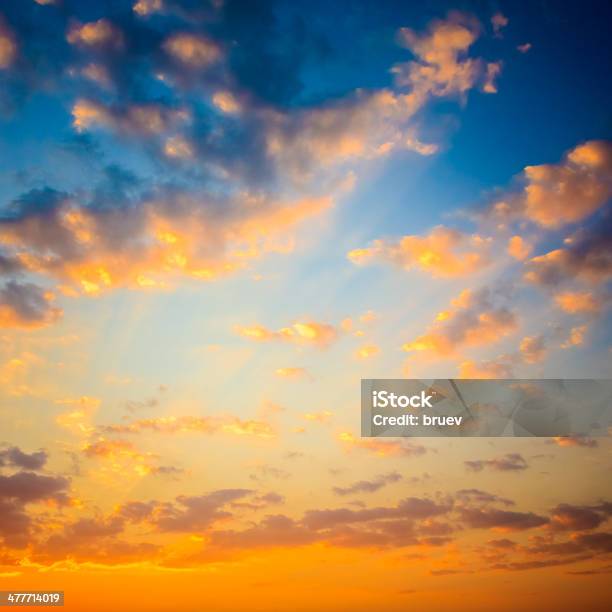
[
  {"x": 178, "y": 147},
  {"x": 492, "y": 72},
  {"x": 8, "y": 46},
  {"x": 518, "y": 248},
  {"x": 524, "y": 48},
  {"x": 440, "y": 68},
  {"x": 382, "y": 448},
  {"x": 575, "y": 441},
  {"x": 300, "y": 332},
  {"x": 512, "y": 462},
  {"x": 578, "y": 302},
  {"x": 101, "y": 33},
  {"x": 474, "y": 319},
  {"x": 226, "y": 102},
  {"x": 444, "y": 252},
  {"x": 499, "y": 21},
  {"x": 367, "y": 351},
  {"x": 322, "y": 416},
  {"x": 485, "y": 369},
  {"x": 575, "y": 337},
  {"x": 291, "y": 373},
  {"x": 147, "y": 7},
  {"x": 368, "y": 486},
  {"x": 533, "y": 349},
  {"x": 193, "y": 50},
  {"x": 27, "y": 306}
]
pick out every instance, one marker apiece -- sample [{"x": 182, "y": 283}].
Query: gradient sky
[{"x": 216, "y": 218}]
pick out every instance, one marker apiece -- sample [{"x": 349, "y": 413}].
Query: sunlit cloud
[
  {"x": 473, "y": 320},
  {"x": 444, "y": 252}
]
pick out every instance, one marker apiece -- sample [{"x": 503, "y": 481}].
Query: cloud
[
  {"x": 518, "y": 248},
  {"x": 575, "y": 441},
  {"x": 323, "y": 416},
  {"x": 533, "y": 349},
  {"x": 193, "y": 50},
  {"x": 8, "y": 46},
  {"x": 300, "y": 332},
  {"x": 368, "y": 486},
  {"x": 367, "y": 351},
  {"x": 291, "y": 373},
  {"x": 147, "y": 7},
  {"x": 193, "y": 424},
  {"x": 145, "y": 244},
  {"x": 485, "y": 369},
  {"x": 493, "y": 71},
  {"x": 444, "y": 252},
  {"x": 501, "y": 520},
  {"x": 512, "y": 462},
  {"x": 100, "y": 34},
  {"x": 474, "y": 319},
  {"x": 555, "y": 195},
  {"x": 15, "y": 457},
  {"x": 578, "y": 302},
  {"x": 440, "y": 68},
  {"x": 26, "y": 305},
  {"x": 188, "y": 513},
  {"x": 137, "y": 119},
  {"x": 28, "y": 487},
  {"x": 568, "y": 517},
  {"x": 382, "y": 448},
  {"x": 524, "y": 48},
  {"x": 499, "y": 21},
  {"x": 575, "y": 337}
]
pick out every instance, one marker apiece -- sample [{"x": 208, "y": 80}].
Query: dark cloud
[
  {"x": 369, "y": 486},
  {"x": 587, "y": 257},
  {"x": 567, "y": 517},
  {"x": 15, "y": 457},
  {"x": 512, "y": 462},
  {"x": 493, "y": 518}
]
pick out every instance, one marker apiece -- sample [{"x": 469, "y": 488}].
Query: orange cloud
[
  {"x": 226, "y": 102},
  {"x": 147, "y": 7},
  {"x": 300, "y": 332},
  {"x": 367, "y": 351},
  {"x": 193, "y": 50},
  {"x": 194, "y": 424},
  {"x": 575, "y": 337},
  {"x": 382, "y": 448},
  {"x": 487, "y": 369},
  {"x": 8, "y": 46},
  {"x": 532, "y": 349},
  {"x": 101, "y": 33},
  {"x": 518, "y": 248},
  {"x": 472, "y": 320},
  {"x": 555, "y": 195},
  {"x": 444, "y": 252},
  {"x": 91, "y": 251},
  {"x": 574, "y": 302},
  {"x": 291, "y": 372}
]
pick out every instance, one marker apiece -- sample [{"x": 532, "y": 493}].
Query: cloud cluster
[
  {"x": 444, "y": 252},
  {"x": 474, "y": 319}
]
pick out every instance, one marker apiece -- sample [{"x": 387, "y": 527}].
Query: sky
[{"x": 216, "y": 218}]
